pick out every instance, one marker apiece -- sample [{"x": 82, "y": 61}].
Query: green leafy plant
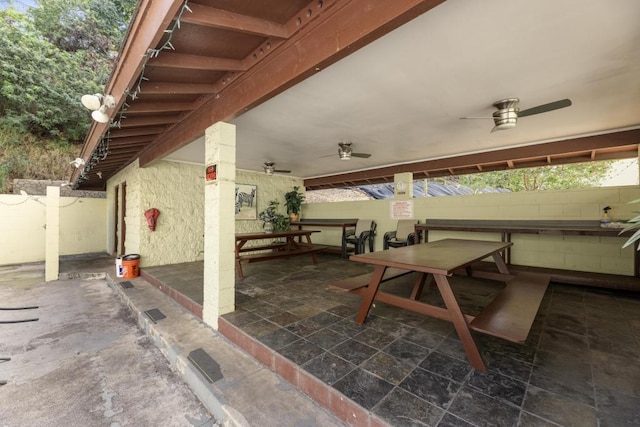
[
  {"x": 634, "y": 224},
  {"x": 270, "y": 214},
  {"x": 293, "y": 200}
]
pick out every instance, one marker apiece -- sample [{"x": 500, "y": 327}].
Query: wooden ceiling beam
[
  {"x": 176, "y": 88},
  {"x": 625, "y": 141},
  {"x": 121, "y": 133},
  {"x": 148, "y": 121},
  {"x": 158, "y": 107},
  {"x": 196, "y": 62},
  {"x": 223, "y": 19}
]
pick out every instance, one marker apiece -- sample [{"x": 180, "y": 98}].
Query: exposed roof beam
[
  {"x": 196, "y": 62},
  {"x": 217, "y": 18},
  {"x": 332, "y": 35},
  {"x": 121, "y": 133},
  {"x": 626, "y": 141},
  {"x": 158, "y": 107},
  {"x": 173, "y": 88},
  {"x": 148, "y": 121}
]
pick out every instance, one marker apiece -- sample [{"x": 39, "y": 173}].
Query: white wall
[
  {"x": 594, "y": 254},
  {"x": 22, "y": 227}
]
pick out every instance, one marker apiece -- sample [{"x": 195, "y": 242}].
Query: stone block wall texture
[
  {"x": 23, "y": 232},
  {"x": 581, "y": 253},
  {"x": 177, "y": 191},
  {"x": 35, "y": 187}
]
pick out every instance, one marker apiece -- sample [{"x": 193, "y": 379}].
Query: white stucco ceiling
[{"x": 401, "y": 97}]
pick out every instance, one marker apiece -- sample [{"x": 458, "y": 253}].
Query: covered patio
[
  {"x": 578, "y": 367},
  {"x": 211, "y": 95}
]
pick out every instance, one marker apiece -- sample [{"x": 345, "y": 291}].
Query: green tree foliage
[
  {"x": 51, "y": 56},
  {"x": 560, "y": 177}
]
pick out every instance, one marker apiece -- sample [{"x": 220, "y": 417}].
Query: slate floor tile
[
  {"x": 408, "y": 351},
  {"x": 328, "y": 367},
  {"x": 354, "y": 351},
  {"x": 498, "y": 386},
  {"x": 301, "y": 351},
  {"x": 363, "y": 387},
  {"x": 446, "y": 366},
  {"x": 327, "y": 338},
  {"x": 450, "y": 420},
  {"x": 482, "y": 410},
  {"x": 560, "y": 410},
  {"x": 433, "y": 388},
  {"x": 400, "y": 408},
  {"x": 278, "y": 338},
  {"x": 387, "y": 367}
]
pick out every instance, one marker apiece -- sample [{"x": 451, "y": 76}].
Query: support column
[
  {"x": 219, "y": 223},
  {"x": 52, "y": 235},
  {"x": 403, "y": 186}
]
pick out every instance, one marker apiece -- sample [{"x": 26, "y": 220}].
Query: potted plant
[
  {"x": 293, "y": 202},
  {"x": 272, "y": 220}
]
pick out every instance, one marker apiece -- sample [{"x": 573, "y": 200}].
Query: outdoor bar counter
[{"x": 507, "y": 228}]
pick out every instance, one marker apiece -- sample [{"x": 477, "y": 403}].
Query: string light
[{"x": 102, "y": 151}]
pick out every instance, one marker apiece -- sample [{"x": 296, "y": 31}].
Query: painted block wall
[
  {"x": 593, "y": 254},
  {"x": 82, "y": 225},
  {"x": 22, "y": 227},
  {"x": 269, "y": 187},
  {"x": 177, "y": 191}
]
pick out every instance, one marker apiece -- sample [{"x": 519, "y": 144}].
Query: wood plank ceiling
[{"x": 187, "y": 65}]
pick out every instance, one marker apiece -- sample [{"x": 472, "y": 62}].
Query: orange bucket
[{"x": 130, "y": 266}]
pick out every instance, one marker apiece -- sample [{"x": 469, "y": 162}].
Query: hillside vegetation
[{"x": 51, "y": 55}]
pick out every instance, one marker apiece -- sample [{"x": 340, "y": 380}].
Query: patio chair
[
  {"x": 404, "y": 235},
  {"x": 365, "y": 230}
]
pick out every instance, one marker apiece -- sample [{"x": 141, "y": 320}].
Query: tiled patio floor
[{"x": 580, "y": 366}]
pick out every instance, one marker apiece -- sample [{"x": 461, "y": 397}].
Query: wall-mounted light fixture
[{"x": 99, "y": 104}]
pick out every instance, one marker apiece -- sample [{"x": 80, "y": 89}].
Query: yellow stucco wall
[
  {"x": 603, "y": 255},
  {"x": 177, "y": 191},
  {"x": 22, "y": 227}
]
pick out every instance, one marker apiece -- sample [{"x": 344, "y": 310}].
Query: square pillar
[
  {"x": 219, "y": 223},
  {"x": 403, "y": 186},
  {"x": 52, "y": 235}
]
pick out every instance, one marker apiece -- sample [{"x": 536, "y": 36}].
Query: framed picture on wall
[{"x": 246, "y": 202}]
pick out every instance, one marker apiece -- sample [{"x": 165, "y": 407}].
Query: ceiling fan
[
  {"x": 508, "y": 112},
  {"x": 345, "y": 151},
  {"x": 270, "y": 168}
]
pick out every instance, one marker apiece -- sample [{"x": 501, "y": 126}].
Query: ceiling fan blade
[
  {"x": 282, "y": 171},
  {"x": 545, "y": 108},
  {"x": 363, "y": 155},
  {"x": 464, "y": 118}
]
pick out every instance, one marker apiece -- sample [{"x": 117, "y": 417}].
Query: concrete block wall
[
  {"x": 269, "y": 187},
  {"x": 177, "y": 191},
  {"x": 604, "y": 255}
]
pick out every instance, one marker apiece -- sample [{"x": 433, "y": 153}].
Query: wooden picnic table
[
  {"x": 273, "y": 249},
  {"x": 509, "y": 316}
]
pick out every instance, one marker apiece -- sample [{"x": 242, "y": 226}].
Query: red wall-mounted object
[{"x": 152, "y": 217}]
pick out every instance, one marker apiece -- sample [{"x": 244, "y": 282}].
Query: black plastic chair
[
  {"x": 404, "y": 235},
  {"x": 365, "y": 230}
]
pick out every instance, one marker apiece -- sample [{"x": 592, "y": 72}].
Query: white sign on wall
[{"x": 402, "y": 209}]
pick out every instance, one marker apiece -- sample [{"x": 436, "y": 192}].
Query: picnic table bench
[{"x": 273, "y": 250}]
